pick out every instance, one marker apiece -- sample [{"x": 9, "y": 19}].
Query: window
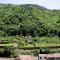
[
  {"x": 40, "y": 57},
  {"x": 45, "y": 57}
]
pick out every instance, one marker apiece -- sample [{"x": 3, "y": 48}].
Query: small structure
[
  {"x": 29, "y": 39},
  {"x": 42, "y": 57},
  {"x": 15, "y": 45},
  {"x": 49, "y": 57}
]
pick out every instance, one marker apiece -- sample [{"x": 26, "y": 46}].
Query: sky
[{"x": 50, "y": 4}]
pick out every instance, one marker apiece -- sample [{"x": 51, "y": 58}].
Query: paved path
[
  {"x": 34, "y": 58},
  {"x": 6, "y": 58},
  {"x": 26, "y": 57}
]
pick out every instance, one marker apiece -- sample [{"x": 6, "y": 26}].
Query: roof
[{"x": 53, "y": 55}]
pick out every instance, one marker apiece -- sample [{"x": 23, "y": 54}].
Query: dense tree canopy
[
  {"x": 18, "y": 22},
  {"x": 28, "y": 19}
]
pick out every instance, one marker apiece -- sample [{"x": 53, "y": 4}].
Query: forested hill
[{"x": 28, "y": 19}]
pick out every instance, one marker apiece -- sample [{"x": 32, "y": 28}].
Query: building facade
[{"x": 49, "y": 57}]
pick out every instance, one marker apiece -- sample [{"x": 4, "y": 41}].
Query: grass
[{"x": 37, "y": 42}]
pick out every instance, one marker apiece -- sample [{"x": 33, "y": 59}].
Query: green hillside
[
  {"x": 20, "y": 21},
  {"x": 28, "y": 19}
]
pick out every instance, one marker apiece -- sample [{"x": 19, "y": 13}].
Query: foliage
[
  {"x": 28, "y": 19},
  {"x": 18, "y": 21},
  {"x": 36, "y": 41}
]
